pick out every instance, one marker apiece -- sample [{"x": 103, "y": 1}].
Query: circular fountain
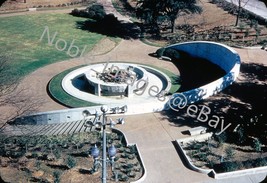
[
  {"x": 116, "y": 83},
  {"x": 115, "y": 80}
]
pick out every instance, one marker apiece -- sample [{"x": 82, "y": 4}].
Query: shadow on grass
[{"x": 111, "y": 26}]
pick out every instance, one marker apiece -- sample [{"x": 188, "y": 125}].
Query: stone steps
[{"x": 51, "y": 129}]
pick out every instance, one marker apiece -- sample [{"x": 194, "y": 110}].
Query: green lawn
[
  {"x": 20, "y": 40},
  {"x": 58, "y": 93}
]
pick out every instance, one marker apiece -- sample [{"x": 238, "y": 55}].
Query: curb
[
  {"x": 139, "y": 154},
  {"x": 212, "y": 173}
]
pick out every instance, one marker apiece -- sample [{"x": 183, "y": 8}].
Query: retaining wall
[{"x": 223, "y": 56}]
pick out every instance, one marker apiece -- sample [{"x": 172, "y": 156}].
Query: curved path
[{"x": 152, "y": 132}]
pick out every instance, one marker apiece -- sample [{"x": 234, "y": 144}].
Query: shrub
[
  {"x": 230, "y": 166},
  {"x": 221, "y": 138},
  {"x": 96, "y": 12},
  {"x": 124, "y": 178},
  {"x": 256, "y": 145},
  {"x": 56, "y": 175},
  {"x": 131, "y": 157},
  {"x": 57, "y": 153},
  {"x": 260, "y": 162},
  {"x": 131, "y": 174},
  {"x": 71, "y": 162},
  {"x": 202, "y": 156},
  {"x": 241, "y": 135},
  {"x": 172, "y": 53},
  {"x": 210, "y": 163},
  {"x": 124, "y": 155},
  {"x": 133, "y": 150},
  {"x": 38, "y": 164},
  {"x": 248, "y": 164},
  {"x": 160, "y": 52},
  {"x": 229, "y": 152}
]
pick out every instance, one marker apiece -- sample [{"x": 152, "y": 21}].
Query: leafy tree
[{"x": 151, "y": 11}]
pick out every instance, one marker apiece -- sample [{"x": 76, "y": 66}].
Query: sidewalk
[{"x": 154, "y": 135}]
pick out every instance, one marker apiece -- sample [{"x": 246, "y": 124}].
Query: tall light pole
[
  {"x": 104, "y": 109},
  {"x": 111, "y": 150}
]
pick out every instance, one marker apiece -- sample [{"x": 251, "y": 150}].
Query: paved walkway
[{"x": 154, "y": 135}]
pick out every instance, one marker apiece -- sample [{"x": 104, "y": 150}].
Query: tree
[
  {"x": 15, "y": 100},
  {"x": 151, "y": 11},
  {"x": 240, "y": 5}
]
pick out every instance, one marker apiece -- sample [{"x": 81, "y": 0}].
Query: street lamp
[
  {"x": 111, "y": 154},
  {"x": 95, "y": 151},
  {"x": 95, "y": 154},
  {"x": 104, "y": 109}
]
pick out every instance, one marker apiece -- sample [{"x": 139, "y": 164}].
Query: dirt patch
[
  {"x": 73, "y": 176},
  {"x": 8, "y": 175},
  {"x": 212, "y": 16}
]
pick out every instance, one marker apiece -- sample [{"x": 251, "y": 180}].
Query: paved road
[{"x": 254, "y": 6}]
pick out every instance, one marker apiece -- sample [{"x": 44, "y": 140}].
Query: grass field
[{"x": 20, "y": 40}]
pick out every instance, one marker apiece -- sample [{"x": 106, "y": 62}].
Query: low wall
[
  {"x": 143, "y": 177},
  {"x": 237, "y": 173},
  {"x": 223, "y": 56},
  {"x": 180, "y": 142},
  {"x": 59, "y": 116}
]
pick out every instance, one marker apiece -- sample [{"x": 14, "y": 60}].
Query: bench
[
  {"x": 165, "y": 58},
  {"x": 32, "y": 9},
  {"x": 197, "y": 130}
]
